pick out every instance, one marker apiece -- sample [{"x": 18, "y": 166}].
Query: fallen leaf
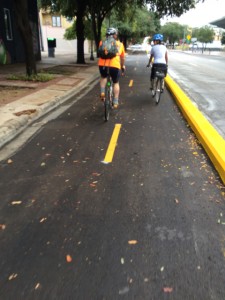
[
  {"x": 37, "y": 286},
  {"x": 68, "y": 258},
  {"x": 2, "y": 226},
  {"x": 10, "y": 161},
  {"x": 13, "y": 276},
  {"x": 122, "y": 260},
  {"x": 132, "y": 242},
  {"x": 177, "y": 201},
  {"x": 42, "y": 220},
  {"x": 167, "y": 289},
  {"x": 96, "y": 174},
  {"x": 16, "y": 202}
]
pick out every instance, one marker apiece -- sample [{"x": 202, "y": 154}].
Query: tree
[
  {"x": 21, "y": 12},
  {"x": 173, "y": 32},
  {"x": 172, "y": 7},
  {"x": 99, "y": 9},
  {"x": 71, "y": 8},
  {"x": 204, "y": 35},
  {"x": 135, "y": 23}
]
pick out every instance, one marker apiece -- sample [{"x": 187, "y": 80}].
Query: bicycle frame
[
  {"x": 158, "y": 84},
  {"x": 108, "y": 96}
]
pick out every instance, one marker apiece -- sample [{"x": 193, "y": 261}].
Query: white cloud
[{"x": 201, "y": 15}]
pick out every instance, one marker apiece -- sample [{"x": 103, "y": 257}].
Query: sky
[{"x": 202, "y": 15}]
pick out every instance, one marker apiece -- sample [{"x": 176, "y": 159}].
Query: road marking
[
  {"x": 112, "y": 145},
  {"x": 131, "y": 82}
]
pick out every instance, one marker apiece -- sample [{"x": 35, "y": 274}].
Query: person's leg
[
  {"x": 152, "y": 76},
  {"x": 116, "y": 92},
  {"x": 115, "y": 74},
  {"x": 102, "y": 87},
  {"x": 103, "y": 81}
]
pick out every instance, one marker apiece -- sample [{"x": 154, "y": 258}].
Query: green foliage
[
  {"x": 70, "y": 33},
  {"x": 41, "y": 77},
  {"x": 135, "y": 23},
  {"x": 170, "y": 8},
  {"x": 173, "y": 32},
  {"x": 204, "y": 34},
  {"x": 98, "y": 10}
]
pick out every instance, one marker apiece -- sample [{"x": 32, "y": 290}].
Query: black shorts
[
  {"x": 114, "y": 73},
  {"x": 161, "y": 67}
]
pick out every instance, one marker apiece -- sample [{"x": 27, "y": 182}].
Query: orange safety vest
[{"x": 115, "y": 61}]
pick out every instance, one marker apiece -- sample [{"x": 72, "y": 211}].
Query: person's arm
[
  {"x": 150, "y": 60},
  {"x": 166, "y": 57},
  {"x": 122, "y": 58},
  {"x": 122, "y": 61}
]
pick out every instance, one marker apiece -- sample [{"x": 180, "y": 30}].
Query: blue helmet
[{"x": 158, "y": 37}]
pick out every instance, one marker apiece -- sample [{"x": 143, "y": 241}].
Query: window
[
  {"x": 56, "y": 21},
  {"x": 8, "y": 26}
]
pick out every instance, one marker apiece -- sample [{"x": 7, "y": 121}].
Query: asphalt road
[
  {"x": 149, "y": 225},
  {"x": 202, "y": 78}
]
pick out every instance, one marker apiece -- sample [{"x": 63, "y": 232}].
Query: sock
[
  {"x": 115, "y": 100},
  {"x": 102, "y": 90}
]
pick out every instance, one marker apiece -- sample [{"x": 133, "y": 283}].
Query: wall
[
  {"x": 49, "y": 31},
  {"x": 13, "y": 46}
]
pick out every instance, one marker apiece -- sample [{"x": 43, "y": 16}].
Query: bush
[{"x": 41, "y": 77}]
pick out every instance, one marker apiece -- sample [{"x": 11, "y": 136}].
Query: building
[
  {"x": 11, "y": 45},
  {"x": 53, "y": 25},
  {"x": 219, "y": 23}
]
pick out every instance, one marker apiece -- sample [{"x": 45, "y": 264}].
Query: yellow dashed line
[{"x": 112, "y": 145}]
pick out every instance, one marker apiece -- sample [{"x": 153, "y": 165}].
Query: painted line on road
[
  {"x": 131, "y": 82},
  {"x": 112, "y": 145},
  {"x": 211, "y": 140}
]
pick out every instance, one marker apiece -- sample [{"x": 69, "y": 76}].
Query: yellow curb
[{"x": 211, "y": 140}]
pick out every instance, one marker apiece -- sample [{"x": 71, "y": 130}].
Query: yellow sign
[{"x": 188, "y": 37}]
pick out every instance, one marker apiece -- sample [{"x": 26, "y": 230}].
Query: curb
[
  {"x": 14, "y": 127},
  {"x": 211, "y": 140}
]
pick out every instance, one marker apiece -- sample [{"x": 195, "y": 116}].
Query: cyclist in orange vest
[{"x": 116, "y": 66}]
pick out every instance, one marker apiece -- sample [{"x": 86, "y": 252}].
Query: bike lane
[{"x": 148, "y": 225}]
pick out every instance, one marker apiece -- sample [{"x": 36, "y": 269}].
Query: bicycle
[
  {"x": 158, "y": 83},
  {"x": 108, "y": 103}
]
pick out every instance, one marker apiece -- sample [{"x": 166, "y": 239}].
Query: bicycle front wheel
[
  {"x": 108, "y": 102},
  {"x": 158, "y": 87},
  {"x": 106, "y": 107}
]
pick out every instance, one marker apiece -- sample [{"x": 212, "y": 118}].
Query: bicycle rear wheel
[
  {"x": 158, "y": 87},
  {"x": 108, "y": 102}
]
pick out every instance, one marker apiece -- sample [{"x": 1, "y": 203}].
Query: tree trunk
[
  {"x": 80, "y": 34},
  {"x": 21, "y": 11}
]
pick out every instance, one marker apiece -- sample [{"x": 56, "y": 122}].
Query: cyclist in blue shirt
[{"x": 158, "y": 56}]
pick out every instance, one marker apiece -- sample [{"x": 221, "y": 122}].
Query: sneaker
[
  {"x": 102, "y": 96},
  {"x": 115, "y": 104}
]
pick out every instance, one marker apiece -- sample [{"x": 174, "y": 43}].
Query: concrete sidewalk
[{"x": 41, "y": 97}]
